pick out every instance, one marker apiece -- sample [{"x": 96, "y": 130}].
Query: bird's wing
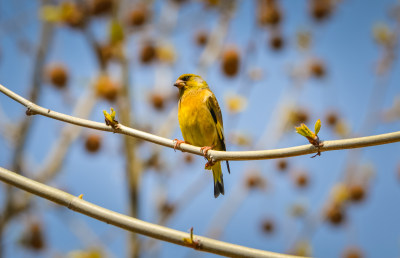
[{"x": 215, "y": 111}]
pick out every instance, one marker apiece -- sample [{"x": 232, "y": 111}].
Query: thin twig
[
  {"x": 128, "y": 223},
  {"x": 351, "y": 143}
]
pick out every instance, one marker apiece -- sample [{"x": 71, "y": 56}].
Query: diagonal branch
[
  {"x": 131, "y": 224},
  {"x": 352, "y": 143}
]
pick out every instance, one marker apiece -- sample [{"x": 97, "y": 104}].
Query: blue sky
[{"x": 344, "y": 42}]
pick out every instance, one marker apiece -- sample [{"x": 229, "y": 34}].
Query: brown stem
[{"x": 133, "y": 170}]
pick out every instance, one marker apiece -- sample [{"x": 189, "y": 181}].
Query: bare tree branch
[
  {"x": 131, "y": 224},
  {"x": 351, "y": 143}
]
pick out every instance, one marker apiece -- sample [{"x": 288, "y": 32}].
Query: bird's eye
[{"x": 185, "y": 78}]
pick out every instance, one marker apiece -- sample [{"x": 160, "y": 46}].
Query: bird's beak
[{"x": 179, "y": 84}]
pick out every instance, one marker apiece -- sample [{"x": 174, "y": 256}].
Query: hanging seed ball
[
  {"x": 73, "y": 15},
  {"x": 230, "y": 62},
  {"x": 58, "y": 75},
  {"x": 147, "y": 53},
  {"x": 167, "y": 208},
  {"x": 33, "y": 238},
  {"x": 301, "y": 179},
  {"x": 302, "y": 116},
  {"x": 37, "y": 241},
  {"x": 154, "y": 162},
  {"x": 331, "y": 118},
  {"x": 353, "y": 252},
  {"x": 106, "y": 88},
  {"x": 321, "y": 9},
  {"x": 298, "y": 116},
  {"x": 188, "y": 158},
  {"x": 357, "y": 193},
  {"x": 269, "y": 13},
  {"x": 93, "y": 143},
  {"x": 255, "y": 180},
  {"x": 101, "y": 7},
  {"x": 201, "y": 38},
  {"x": 276, "y": 42},
  {"x": 138, "y": 16},
  {"x": 335, "y": 214},
  {"x": 317, "y": 68},
  {"x": 282, "y": 164},
  {"x": 157, "y": 101},
  {"x": 268, "y": 226},
  {"x": 252, "y": 181}
]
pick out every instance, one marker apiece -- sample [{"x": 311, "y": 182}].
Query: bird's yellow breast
[{"x": 196, "y": 122}]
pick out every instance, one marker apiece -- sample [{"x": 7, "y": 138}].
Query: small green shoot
[
  {"x": 312, "y": 137},
  {"x": 191, "y": 242},
  {"x": 110, "y": 118}
]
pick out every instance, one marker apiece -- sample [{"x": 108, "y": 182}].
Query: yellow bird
[{"x": 200, "y": 120}]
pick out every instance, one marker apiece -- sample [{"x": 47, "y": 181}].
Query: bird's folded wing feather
[{"x": 215, "y": 111}]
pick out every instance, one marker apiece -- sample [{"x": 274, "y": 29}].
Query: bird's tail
[{"x": 218, "y": 179}]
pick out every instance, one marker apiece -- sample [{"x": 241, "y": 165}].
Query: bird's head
[{"x": 190, "y": 81}]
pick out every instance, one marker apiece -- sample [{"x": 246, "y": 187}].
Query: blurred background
[{"x": 271, "y": 64}]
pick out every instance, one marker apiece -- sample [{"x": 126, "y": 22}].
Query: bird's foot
[
  {"x": 205, "y": 149},
  {"x": 178, "y": 143},
  {"x": 209, "y": 164}
]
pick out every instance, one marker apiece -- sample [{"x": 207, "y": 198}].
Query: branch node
[
  {"x": 30, "y": 112},
  {"x": 316, "y": 142},
  {"x": 70, "y": 203},
  {"x": 109, "y": 118},
  {"x": 312, "y": 137},
  {"x": 194, "y": 243}
]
